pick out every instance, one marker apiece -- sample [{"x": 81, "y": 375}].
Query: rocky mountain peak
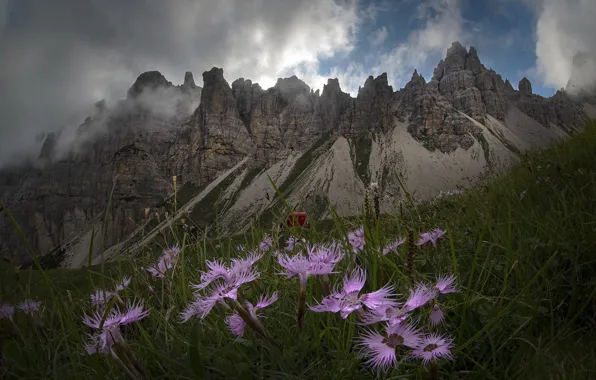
[
  {"x": 439, "y": 71},
  {"x": 375, "y": 87},
  {"x": 148, "y": 80},
  {"x": 332, "y": 87},
  {"x": 100, "y": 106},
  {"x": 216, "y": 96},
  {"x": 508, "y": 87},
  {"x": 48, "y": 147},
  {"x": 291, "y": 87},
  {"x": 189, "y": 80},
  {"x": 525, "y": 87},
  {"x": 456, "y": 58},
  {"x": 473, "y": 62},
  {"x": 245, "y": 93}
]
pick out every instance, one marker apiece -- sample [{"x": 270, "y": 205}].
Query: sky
[{"x": 61, "y": 56}]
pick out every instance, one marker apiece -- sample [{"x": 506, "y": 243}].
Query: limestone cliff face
[
  {"x": 122, "y": 153},
  {"x": 459, "y": 123}
]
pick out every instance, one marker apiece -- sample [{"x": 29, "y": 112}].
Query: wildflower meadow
[{"x": 495, "y": 282}]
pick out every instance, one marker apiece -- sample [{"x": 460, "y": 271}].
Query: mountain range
[{"x": 224, "y": 143}]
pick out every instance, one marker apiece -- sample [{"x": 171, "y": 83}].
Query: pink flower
[
  {"x": 445, "y": 284},
  {"x": 123, "y": 284},
  {"x": 357, "y": 240},
  {"x": 303, "y": 267},
  {"x": 167, "y": 261},
  {"x": 6, "y": 310},
  {"x": 29, "y": 306},
  {"x": 230, "y": 279},
  {"x": 350, "y": 299},
  {"x": 266, "y": 243},
  {"x": 436, "y": 316},
  {"x": 419, "y": 297},
  {"x": 101, "y": 297},
  {"x": 292, "y": 241},
  {"x": 433, "y": 347},
  {"x": 393, "y": 246},
  {"x": 238, "y": 273},
  {"x": 110, "y": 330},
  {"x": 390, "y": 314},
  {"x": 328, "y": 304},
  {"x": 431, "y": 237},
  {"x": 380, "y": 349},
  {"x": 236, "y": 324},
  {"x": 327, "y": 254},
  {"x": 202, "y": 305}
]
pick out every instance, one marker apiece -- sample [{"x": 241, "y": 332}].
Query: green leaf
[{"x": 194, "y": 352}]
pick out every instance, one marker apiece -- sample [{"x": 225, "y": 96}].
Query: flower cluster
[
  {"x": 168, "y": 260},
  {"x": 101, "y": 297},
  {"x": 357, "y": 240},
  {"x": 349, "y": 298},
  {"x": 319, "y": 260},
  {"x": 226, "y": 281},
  {"x": 28, "y": 306},
  {"x": 431, "y": 237},
  {"x": 381, "y": 306},
  {"x": 109, "y": 331}
]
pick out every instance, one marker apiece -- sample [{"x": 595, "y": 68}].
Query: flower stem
[
  {"x": 326, "y": 290},
  {"x": 411, "y": 250},
  {"x": 301, "y": 304},
  {"x": 251, "y": 321},
  {"x": 434, "y": 370}
]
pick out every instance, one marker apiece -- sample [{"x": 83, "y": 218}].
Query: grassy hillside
[{"x": 522, "y": 248}]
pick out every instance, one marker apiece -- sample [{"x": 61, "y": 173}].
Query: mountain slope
[{"x": 463, "y": 125}]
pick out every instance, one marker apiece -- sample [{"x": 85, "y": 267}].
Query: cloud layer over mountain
[{"x": 60, "y": 57}]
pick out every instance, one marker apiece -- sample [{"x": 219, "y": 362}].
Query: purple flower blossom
[
  {"x": 236, "y": 324},
  {"x": 29, "y": 306},
  {"x": 167, "y": 261},
  {"x": 445, "y": 284},
  {"x": 431, "y": 236},
  {"x": 419, "y": 297},
  {"x": 6, "y": 311},
  {"x": 357, "y": 240},
  {"x": 327, "y": 254},
  {"x": 110, "y": 330},
  {"x": 350, "y": 299},
  {"x": 266, "y": 243},
  {"x": 390, "y": 314},
  {"x": 380, "y": 349},
  {"x": 292, "y": 241},
  {"x": 123, "y": 284},
  {"x": 101, "y": 297},
  {"x": 433, "y": 347},
  {"x": 328, "y": 304},
  {"x": 202, "y": 305},
  {"x": 303, "y": 267},
  {"x": 393, "y": 246},
  {"x": 436, "y": 316},
  {"x": 238, "y": 273}
]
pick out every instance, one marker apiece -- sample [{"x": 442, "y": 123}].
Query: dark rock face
[{"x": 130, "y": 151}]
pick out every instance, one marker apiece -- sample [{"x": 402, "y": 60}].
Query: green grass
[
  {"x": 361, "y": 147},
  {"x": 525, "y": 307}
]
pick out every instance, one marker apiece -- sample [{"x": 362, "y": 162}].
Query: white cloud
[
  {"x": 442, "y": 25},
  {"x": 59, "y": 58},
  {"x": 379, "y": 36},
  {"x": 564, "y": 29}
]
